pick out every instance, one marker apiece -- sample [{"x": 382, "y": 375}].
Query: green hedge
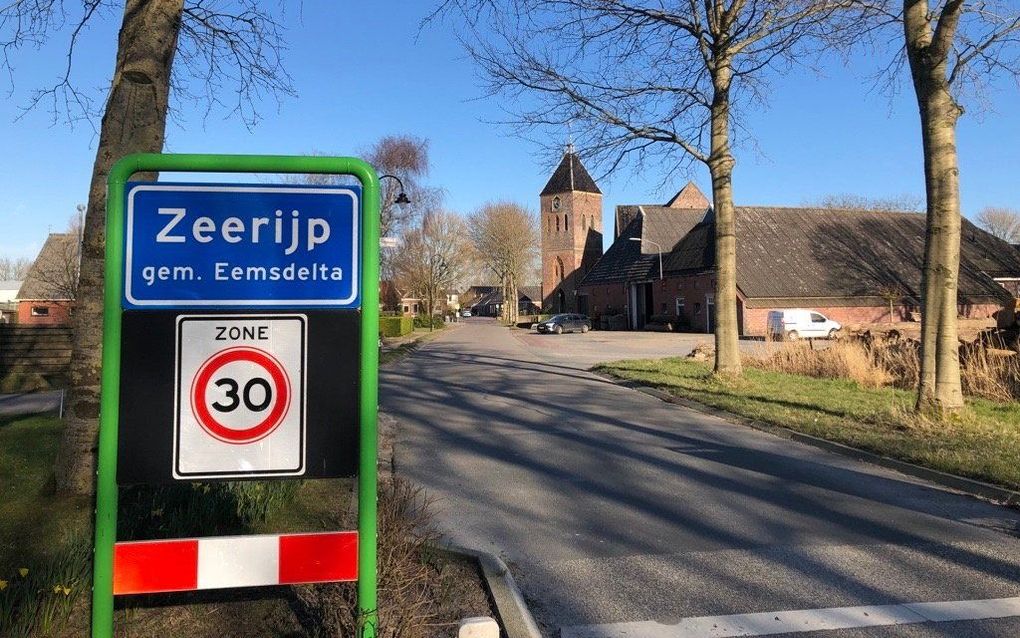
[
  {"x": 395, "y": 326},
  {"x": 422, "y": 321}
]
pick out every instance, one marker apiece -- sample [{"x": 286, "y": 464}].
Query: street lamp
[
  {"x": 402, "y": 196},
  {"x": 657, "y": 246}
]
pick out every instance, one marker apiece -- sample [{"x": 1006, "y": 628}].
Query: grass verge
[
  {"x": 46, "y": 552},
  {"x": 983, "y": 442}
]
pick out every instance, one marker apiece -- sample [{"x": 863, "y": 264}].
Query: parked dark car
[{"x": 564, "y": 323}]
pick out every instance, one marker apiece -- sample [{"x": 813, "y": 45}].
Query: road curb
[
  {"x": 972, "y": 487},
  {"x": 513, "y": 611}
]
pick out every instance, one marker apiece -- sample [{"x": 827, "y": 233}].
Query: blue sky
[{"x": 365, "y": 72}]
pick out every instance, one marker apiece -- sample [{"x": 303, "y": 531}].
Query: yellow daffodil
[
  {"x": 23, "y": 571},
  {"x": 3, "y": 585}
]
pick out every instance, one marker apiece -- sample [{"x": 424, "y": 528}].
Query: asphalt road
[
  {"x": 615, "y": 508},
  {"x": 15, "y": 405}
]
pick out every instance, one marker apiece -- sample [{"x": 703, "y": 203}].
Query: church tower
[{"x": 571, "y": 220}]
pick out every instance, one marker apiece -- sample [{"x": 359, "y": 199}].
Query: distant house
[
  {"x": 47, "y": 295},
  {"x": 8, "y": 304},
  {"x": 529, "y": 302},
  {"x": 849, "y": 264}
]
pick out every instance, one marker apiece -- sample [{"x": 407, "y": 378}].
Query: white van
[{"x": 797, "y": 323}]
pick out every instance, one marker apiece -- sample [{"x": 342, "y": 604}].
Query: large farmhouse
[{"x": 853, "y": 265}]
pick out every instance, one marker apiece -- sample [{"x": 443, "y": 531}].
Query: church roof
[
  {"x": 570, "y": 175},
  {"x": 690, "y": 196}
]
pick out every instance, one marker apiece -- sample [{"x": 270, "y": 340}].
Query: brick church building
[
  {"x": 855, "y": 266},
  {"x": 571, "y": 228}
]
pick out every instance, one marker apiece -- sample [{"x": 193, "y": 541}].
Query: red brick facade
[
  {"x": 44, "y": 312},
  {"x": 571, "y": 244},
  {"x": 691, "y": 298}
]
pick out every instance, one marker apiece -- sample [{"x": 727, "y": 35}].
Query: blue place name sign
[{"x": 202, "y": 245}]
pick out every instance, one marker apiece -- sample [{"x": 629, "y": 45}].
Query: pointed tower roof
[
  {"x": 690, "y": 196},
  {"x": 570, "y": 175}
]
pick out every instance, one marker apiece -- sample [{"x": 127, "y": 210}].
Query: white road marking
[{"x": 780, "y": 622}]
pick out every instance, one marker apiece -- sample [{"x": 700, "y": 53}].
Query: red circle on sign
[{"x": 258, "y": 431}]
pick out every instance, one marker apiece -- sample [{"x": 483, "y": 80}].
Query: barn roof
[
  {"x": 819, "y": 253},
  {"x": 50, "y": 275},
  {"x": 628, "y": 260}
]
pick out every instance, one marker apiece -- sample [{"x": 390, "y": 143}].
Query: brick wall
[
  {"x": 605, "y": 298},
  {"x": 571, "y": 236},
  {"x": 58, "y": 313},
  {"x": 695, "y": 290}
]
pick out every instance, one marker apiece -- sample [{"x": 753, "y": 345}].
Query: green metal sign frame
[{"x": 106, "y": 488}]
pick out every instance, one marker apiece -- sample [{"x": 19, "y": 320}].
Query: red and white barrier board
[{"x": 147, "y": 567}]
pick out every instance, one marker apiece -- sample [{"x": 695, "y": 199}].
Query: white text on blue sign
[{"x": 208, "y": 245}]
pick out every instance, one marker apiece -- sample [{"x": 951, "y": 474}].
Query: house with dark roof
[
  {"x": 852, "y": 265},
  {"x": 47, "y": 295},
  {"x": 490, "y": 304}
]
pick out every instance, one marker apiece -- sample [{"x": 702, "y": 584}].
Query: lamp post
[
  {"x": 642, "y": 239},
  {"x": 402, "y": 196}
]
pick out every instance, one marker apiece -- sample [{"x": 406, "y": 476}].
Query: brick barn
[
  {"x": 46, "y": 297},
  {"x": 852, "y": 265}
]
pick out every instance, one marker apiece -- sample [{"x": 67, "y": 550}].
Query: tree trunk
[
  {"x": 512, "y": 302},
  {"x": 939, "y": 385},
  {"x": 720, "y": 165},
  {"x": 134, "y": 121}
]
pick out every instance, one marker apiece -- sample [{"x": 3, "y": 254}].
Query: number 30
[{"x": 231, "y": 393}]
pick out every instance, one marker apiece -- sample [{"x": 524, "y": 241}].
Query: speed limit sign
[{"x": 239, "y": 396}]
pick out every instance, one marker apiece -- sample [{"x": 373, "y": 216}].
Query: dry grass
[
  {"x": 985, "y": 372},
  {"x": 840, "y": 361},
  {"x": 422, "y": 594}
]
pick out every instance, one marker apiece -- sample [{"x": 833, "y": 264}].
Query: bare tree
[
  {"x": 953, "y": 47},
  {"x": 898, "y": 204},
  {"x": 506, "y": 240},
  {"x": 14, "y": 268},
  {"x": 407, "y": 158},
  {"x": 194, "y": 49},
  {"x": 643, "y": 80},
  {"x": 1004, "y": 223},
  {"x": 891, "y": 293},
  {"x": 433, "y": 258}
]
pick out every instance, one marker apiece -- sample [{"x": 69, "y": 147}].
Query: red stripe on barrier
[
  {"x": 155, "y": 566},
  {"x": 318, "y": 558}
]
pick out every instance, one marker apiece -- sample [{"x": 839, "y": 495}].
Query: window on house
[
  {"x": 565, "y": 223},
  {"x": 557, "y": 223},
  {"x": 40, "y": 311},
  {"x": 679, "y": 306}
]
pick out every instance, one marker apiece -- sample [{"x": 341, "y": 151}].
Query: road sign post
[{"x": 248, "y": 383}]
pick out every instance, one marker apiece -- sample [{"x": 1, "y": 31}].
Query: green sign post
[{"x": 106, "y": 491}]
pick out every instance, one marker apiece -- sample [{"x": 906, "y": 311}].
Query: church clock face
[{"x": 556, "y": 203}]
